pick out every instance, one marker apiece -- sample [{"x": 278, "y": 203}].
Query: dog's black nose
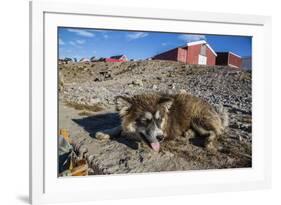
[{"x": 160, "y": 138}]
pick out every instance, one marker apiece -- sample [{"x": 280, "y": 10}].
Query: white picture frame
[{"x": 46, "y": 187}]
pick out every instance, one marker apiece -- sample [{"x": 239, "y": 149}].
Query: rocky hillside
[{"x": 87, "y": 106}]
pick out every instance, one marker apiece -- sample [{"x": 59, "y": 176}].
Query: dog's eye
[
  {"x": 158, "y": 119},
  {"x": 144, "y": 120},
  {"x": 158, "y": 122}
]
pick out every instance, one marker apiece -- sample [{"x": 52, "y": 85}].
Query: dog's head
[{"x": 145, "y": 115}]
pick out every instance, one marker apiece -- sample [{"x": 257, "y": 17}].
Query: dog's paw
[
  {"x": 211, "y": 148},
  {"x": 102, "y": 136},
  {"x": 189, "y": 134}
]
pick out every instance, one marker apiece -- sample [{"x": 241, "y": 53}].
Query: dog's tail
[{"x": 223, "y": 112}]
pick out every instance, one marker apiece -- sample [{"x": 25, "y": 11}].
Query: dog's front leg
[{"x": 109, "y": 133}]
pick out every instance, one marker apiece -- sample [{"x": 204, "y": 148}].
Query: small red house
[
  {"x": 229, "y": 59},
  {"x": 119, "y": 58},
  {"x": 197, "y": 52}
]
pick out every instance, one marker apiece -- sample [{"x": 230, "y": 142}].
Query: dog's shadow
[
  {"x": 101, "y": 122},
  {"x": 198, "y": 141}
]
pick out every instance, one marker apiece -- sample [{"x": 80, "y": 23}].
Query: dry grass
[
  {"x": 85, "y": 108},
  {"x": 85, "y": 113}
]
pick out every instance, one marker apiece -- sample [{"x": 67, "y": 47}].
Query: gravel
[{"x": 98, "y": 83}]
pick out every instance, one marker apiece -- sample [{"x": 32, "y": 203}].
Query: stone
[
  {"x": 102, "y": 136},
  {"x": 97, "y": 79},
  {"x": 138, "y": 82},
  {"x": 83, "y": 150},
  {"x": 95, "y": 101}
]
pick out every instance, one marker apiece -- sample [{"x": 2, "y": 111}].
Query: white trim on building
[
  {"x": 234, "y": 54},
  {"x": 201, "y": 42}
]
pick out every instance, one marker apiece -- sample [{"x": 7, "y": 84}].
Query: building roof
[
  {"x": 235, "y": 54},
  {"x": 201, "y": 42},
  {"x": 117, "y": 57},
  {"x": 84, "y": 60},
  {"x": 230, "y": 53}
]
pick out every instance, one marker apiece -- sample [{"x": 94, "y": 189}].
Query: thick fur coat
[{"x": 158, "y": 116}]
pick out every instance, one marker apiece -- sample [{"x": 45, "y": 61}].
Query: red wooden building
[
  {"x": 119, "y": 58},
  {"x": 197, "y": 52},
  {"x": 229, "y": 59}
]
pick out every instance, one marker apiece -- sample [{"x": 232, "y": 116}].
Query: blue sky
[{"x": 78, "y": 43}]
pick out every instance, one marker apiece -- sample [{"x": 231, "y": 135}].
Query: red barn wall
[
  {"x": 234, "y": 60},
  {"x": 211, "y": 58},
  {"x": 168, "y": 55},
  {"x": 192, "y": 54},
  {"x": 182, "y": 52},
  {"x": 187, "y": 55}
]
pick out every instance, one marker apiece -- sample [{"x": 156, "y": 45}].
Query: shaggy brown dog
[{"x": 159, "y": 117}]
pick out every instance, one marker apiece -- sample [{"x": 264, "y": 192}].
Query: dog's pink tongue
[{"x": 155, "y": 146}]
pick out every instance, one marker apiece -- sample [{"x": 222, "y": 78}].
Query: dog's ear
[
  {"x": 123, "y": 103},
  {"x": 123, "y": 99},
  {"x": 166, "y": 102}
]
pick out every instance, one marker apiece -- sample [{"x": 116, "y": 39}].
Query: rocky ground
[{"x": 86, "y": 105}]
